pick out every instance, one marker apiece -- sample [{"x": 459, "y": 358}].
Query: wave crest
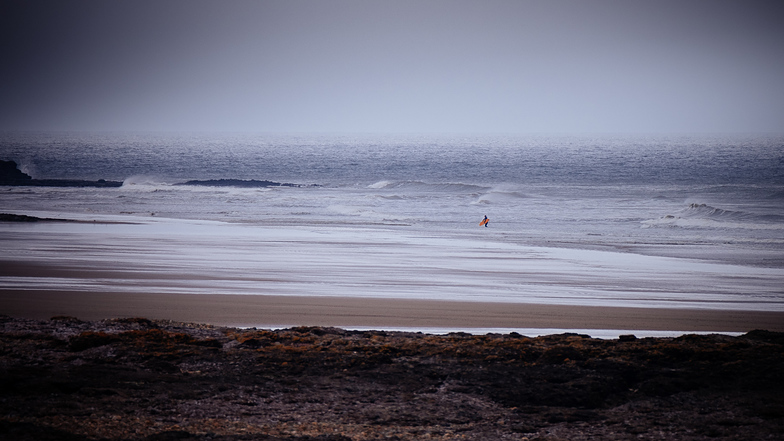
[
  {"x": 380, "y": 184},
  {"x": 145, "y": 180},
  {"x": 698, "y": 215},
  {"x": 501, "y": 197},
  {"x": 707, "y": 211},
  {"x": 441, "y": 187}
]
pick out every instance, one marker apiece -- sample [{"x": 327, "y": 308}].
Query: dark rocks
[
  {"x": 10, "y": 217},
  {"x": 251, "y": 183},
  {"x": 138, "y": 379},
  {"x": 101, "y": 183},
  {"x": 10, "y": 175}
]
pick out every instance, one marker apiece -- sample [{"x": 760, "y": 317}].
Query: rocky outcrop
[
  {"x": 143, "y": 380},
  {"x": 10, "y": 217},
  {"x": 250, "y": 183},
  {"x": 11, "y": 175}
]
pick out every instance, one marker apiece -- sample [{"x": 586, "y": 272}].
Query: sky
[{"x": 395, "y": 66}]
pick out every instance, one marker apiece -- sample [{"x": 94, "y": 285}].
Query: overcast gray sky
[{"x": 393, "y": 66}]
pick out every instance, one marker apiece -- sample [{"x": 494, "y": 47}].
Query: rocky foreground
[{"x": 136, "y": 379}]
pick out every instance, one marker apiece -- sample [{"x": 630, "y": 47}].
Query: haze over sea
[{"x": 666, "y": 221}]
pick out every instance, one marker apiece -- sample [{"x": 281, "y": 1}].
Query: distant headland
[{"x": 11, "y": 175}]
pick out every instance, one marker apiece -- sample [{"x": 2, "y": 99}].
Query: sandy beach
[
  {"x": 281, "y": 311},
  {"x": 236, "y": 275}
]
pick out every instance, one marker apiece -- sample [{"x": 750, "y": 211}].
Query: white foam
[{"x": 380, "y": 184}]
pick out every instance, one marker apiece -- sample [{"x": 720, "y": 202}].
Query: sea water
[{"x": 620, "y": 220}]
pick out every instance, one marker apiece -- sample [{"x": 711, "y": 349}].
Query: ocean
[{"x": 617, "y": 220}]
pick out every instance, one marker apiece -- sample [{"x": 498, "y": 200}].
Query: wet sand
[{"x": 281, "y": 311}]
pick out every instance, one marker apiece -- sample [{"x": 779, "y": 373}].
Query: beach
[
  {"x": 601, "y": 302},
  {"x": 365, "y": 313},
  {"x": 363, "y": 221},
  {"x": 147, "y": 330},
  {"x": 616, "y": 233},
  {"x": 371, "y": 278}
]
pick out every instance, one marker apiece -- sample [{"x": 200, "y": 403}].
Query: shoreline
[{"x": 266, "y": 311}]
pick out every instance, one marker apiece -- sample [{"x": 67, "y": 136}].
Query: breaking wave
[
  {"x": 706, "y": 216},
  {"x": 146, "y": 181},
  {"x": 501, "y": 196},
  {"x": 458, "y": 188},
  {"x": 709, "y": 212}
]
